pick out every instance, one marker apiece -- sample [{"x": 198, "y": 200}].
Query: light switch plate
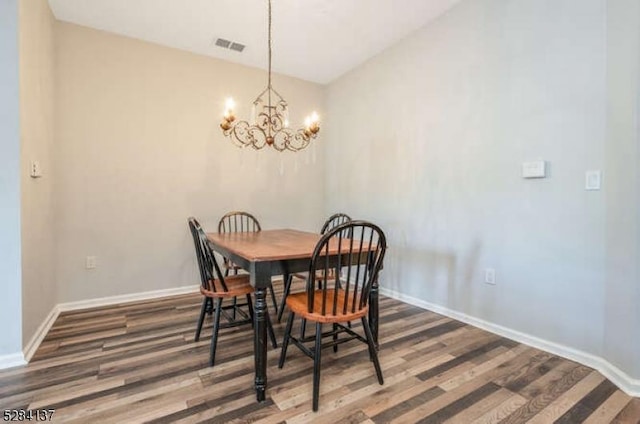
[
  {"x": 534, "y": 169},
  {"x": 592, "y": 180}
]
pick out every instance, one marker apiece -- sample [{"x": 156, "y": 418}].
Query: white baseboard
[
  {"x": 33, "y": 344},
  {"x": 626, "y": 383},
  {"x": 12, "y": 360},
  {"x": 125, "y": 298},
  {"x": 42, "y": 331}
]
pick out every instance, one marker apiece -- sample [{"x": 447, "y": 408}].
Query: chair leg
[
  {"x": 372, "y": 349},
  {"x": 285, "y": 341},
  {"x": 203, "y": 311},
  {"x": 235, "y": 299},
  {"x": 303, "y": 328},
  {"x": 214, "y": 335},
  {"x": 273, "y": 298},
  {"x": 287, "y": 289},
  {"x": 272, "y": 334},
  {"x": 316, "y": 366},
  {"x": 335, "y": 337},
  {"x": 235, "y": 308}
]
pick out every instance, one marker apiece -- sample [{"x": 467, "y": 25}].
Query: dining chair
[
  {"x": 241, "y": 222},
  {"x": 358, "y": 258},
  {"x": 215, "y": 286},
  {"x": 331, "y": 222}
]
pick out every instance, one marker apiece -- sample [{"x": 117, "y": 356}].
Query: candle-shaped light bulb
[
  {"x": 286, "y": 123},
  {"x": 307, "y": 122},
  {"x": 314, "y": 118},
  {"x": 228, "y": 107},
  {"x": 253, "y": 114}
]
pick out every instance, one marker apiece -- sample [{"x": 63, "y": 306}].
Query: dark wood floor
[{"x": 138, "y": 363}]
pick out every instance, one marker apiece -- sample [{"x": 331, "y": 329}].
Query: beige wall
[
  {"x": 36, "y": 128},
  {"x": 36, "y": 137},
  {"x": 139, "y": 149}
]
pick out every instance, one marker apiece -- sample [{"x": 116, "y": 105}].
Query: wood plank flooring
[{"x": 138, "y": 362}]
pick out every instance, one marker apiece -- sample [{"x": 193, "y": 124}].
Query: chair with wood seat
[
  {"x": 241, "y": 222},
  {"x": 216, "y": 287},
  {"x": 358, "y": 258},
  {"x": 331, "y": 222}
]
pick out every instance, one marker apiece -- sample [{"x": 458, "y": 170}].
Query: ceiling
[{"x": 315, "y": 40}]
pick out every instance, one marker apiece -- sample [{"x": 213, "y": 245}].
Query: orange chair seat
[
  {"x": 297, "y": 303},
  {"x": 237, "y": 285}
]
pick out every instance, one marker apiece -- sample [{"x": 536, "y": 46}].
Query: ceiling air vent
[
  {"x": 226, "y": 44},
  {"x": 221, "y": 42},
  {"x": 237, "y": 47}
]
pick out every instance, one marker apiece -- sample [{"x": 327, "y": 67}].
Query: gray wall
[
  {"x": 428, "y": 139},
  {"x": 10, "y": 266},
  {"x": 622, "y": 313}
]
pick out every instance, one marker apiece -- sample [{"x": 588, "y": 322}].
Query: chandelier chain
[
  {"x": 269, "y": 83},
  {"x": 269, "y": 38}
]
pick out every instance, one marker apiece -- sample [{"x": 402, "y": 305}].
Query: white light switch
[
  {"x": 534, "y": 169},
  {"x": 592, "y": 180}
]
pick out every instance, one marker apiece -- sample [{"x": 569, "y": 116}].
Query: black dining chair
[
  {"x": 217, "y": 287},
  {"x": 358, "y": 258},
  {"x": 331, "y": 222},
  {"x": 241, "y": 222}
]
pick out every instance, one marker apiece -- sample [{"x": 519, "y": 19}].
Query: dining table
[{"x": 268, "y": 253}]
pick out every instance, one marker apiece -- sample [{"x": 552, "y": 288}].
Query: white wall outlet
[
  {"x": 91, "y": 262},
  {"x": 534, "y": 169},
  {"x": 35, "y": 169},
  {"x": 592, "y": 180},
  {"x": 490, "y": 276}
]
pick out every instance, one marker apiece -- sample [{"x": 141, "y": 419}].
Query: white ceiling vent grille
[{"x": 226, "y": 44}]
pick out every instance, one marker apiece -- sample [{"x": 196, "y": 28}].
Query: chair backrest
[
  {"x": 238, "y": 222},
  {"x": 334, "y": 220},
  {"x": 211, "y": 278},
  {"x": 355, "y": 251}
]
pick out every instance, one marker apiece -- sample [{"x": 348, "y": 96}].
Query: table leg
[{"x": 260, "y": 344}]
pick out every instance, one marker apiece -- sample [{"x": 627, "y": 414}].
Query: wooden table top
[{"x": 268, "y": 245}]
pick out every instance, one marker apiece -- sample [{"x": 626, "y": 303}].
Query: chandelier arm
[{"x": 277, "y": 94}]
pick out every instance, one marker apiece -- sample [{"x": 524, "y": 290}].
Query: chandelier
[{"x": 270, "y": 127}]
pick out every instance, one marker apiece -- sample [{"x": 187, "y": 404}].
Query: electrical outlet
[
  {"x": 91, "y": 262},
  {"x": 490, "y": 276},
  {"x": 35, "y": 170}
]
